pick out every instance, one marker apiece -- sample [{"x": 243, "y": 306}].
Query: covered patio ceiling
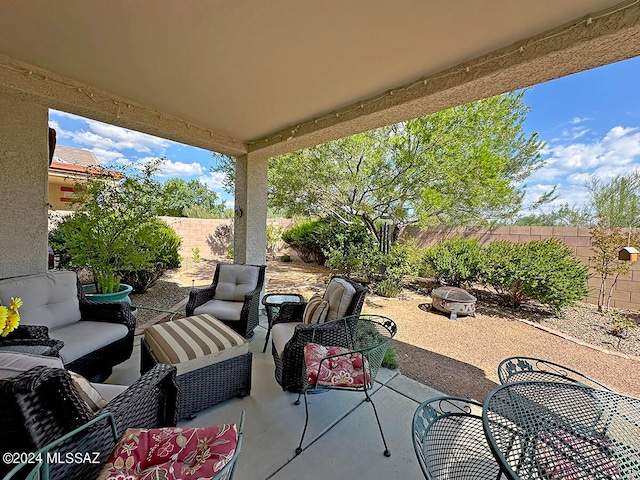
[{"x": 275, "y": 76}]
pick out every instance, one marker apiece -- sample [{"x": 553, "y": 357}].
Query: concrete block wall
[
  {"x": 626, "y": 294},
  {"x": 199, "y": 233}
]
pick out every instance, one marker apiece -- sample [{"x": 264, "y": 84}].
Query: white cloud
[
  {"x": 576, "y": 120},
  {"x": 214, "y": 180},
  {"x": 577, "y": 132},
  {"x": 107, "y": 156},
  {"x": 122, "y": 138},
  {"x": 169, "y": 169},
  {"x": 568, "y": 165}
]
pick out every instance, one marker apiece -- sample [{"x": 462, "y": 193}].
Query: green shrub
[
  {"x": 315, "y": 240},
  {"x": 390, "y": 360},
  {"x": 160, "y": 246},
  {"x": 388, "y": 288},
  {"x": 150, "y": 250},
  {"x": 543, "y": 270},
  {"x": 195, "y": 255},
  {"x": 455, "y": 261},
  {"x": 307, "y": 240}
]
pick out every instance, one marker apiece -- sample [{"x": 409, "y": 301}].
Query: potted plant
[{"x": 114, "y": 232}]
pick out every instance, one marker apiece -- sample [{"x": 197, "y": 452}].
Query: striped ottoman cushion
[{"x": 194, "y": 342}]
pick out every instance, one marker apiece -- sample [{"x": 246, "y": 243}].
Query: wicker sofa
[
  {"x": 95, "y": 336},
  {"x": 290, "y": 334},
  {"x": 41, "y": 404}
]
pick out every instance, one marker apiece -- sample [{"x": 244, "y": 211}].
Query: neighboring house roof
[
  {"x": 75, "y": 156},
  {"x": 77, "y": 163}
]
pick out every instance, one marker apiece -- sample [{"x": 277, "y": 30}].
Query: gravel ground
[
  {"x": 456, "y": 357},
  {"x": 163, "y": 295}
]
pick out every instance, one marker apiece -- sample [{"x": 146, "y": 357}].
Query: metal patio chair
[
  {"x": 449, "y": 441},
  {"x": 519, "y": 369},
  {"x": 350, "y": 363}
]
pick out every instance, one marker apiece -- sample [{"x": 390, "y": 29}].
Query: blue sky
[{"x": 589, "y": 122}]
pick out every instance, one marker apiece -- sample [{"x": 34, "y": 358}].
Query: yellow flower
[
  {"x": 16, "y": 303},
  {"x": 4, "y": 312},
  {"x": 13, "y": 319}
]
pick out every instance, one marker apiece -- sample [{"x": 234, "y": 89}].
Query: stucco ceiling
[{"x": 245, "y": 69}]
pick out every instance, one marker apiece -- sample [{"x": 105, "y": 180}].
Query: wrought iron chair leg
[
  {"x": 387, "y": 452},
  {"x": 306, "y": 422}
]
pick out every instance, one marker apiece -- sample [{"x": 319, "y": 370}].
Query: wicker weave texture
[
  {"x": 210, "y": 385},
  {"x": 41, "y": 405},
  {"x": 289, "y": 370}
]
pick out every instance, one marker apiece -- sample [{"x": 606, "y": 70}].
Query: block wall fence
[
  {"x": 625, "y": 296},
  {"x": 199, "y": 233}
]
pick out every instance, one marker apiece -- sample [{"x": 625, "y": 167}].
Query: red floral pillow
[
  {"x": 345, "y": 370},
  {"x": 171, "y": 453}
]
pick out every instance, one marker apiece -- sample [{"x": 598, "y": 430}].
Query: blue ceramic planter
[{"x": 120, "y": 296}]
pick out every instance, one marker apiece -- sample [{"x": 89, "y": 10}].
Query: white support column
[
  {"x": 24, "y": 165},
  {"x": 250, "y": 222}
]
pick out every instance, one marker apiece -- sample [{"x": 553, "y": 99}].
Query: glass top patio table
[{"x": 546, "y": 430}]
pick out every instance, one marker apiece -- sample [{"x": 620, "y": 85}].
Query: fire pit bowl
[{"x": 454, "y": 301}]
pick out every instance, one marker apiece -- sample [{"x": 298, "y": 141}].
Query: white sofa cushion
[
  {"x": 13, "y": 364},
  {"x": 82, "y": 338},
  {"x": 339, "y": 294},
  {"x": 107, "y": 391},
  {"x": 235, "y": 281},
  {"x": 49, "y": 299}
]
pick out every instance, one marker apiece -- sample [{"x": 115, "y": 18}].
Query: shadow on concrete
[{"x": 445, "y": 374}]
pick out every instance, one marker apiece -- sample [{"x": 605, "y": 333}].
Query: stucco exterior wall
[
  {"x": 23, "y": 186},
  {"x": 626, "y": 294}
]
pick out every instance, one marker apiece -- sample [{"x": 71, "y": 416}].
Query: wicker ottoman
[{"x": 213, "y": 362}]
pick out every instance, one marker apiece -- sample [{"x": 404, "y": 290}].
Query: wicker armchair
[
  {"x": 290, "y": 365},
  {"x": 41, "y": 405},
  {"x": 233, "y": 297},
  {"x": 519, "y": 369}
]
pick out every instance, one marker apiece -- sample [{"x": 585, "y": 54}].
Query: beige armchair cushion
[
  {"x": 339, "y": 294},
  {"x": 235, "y": 281}
]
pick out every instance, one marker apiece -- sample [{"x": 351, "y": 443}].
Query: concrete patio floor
[{"x": 342, "y": 439}]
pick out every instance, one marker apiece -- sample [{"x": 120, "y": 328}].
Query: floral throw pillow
[
  {"x": 345, "y": 370},
  {"x": 171, "y": 453}
]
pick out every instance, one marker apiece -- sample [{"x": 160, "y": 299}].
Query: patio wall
[
  {"x": 626, "y": 294},
  {"x": 199, "y": 233}
]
